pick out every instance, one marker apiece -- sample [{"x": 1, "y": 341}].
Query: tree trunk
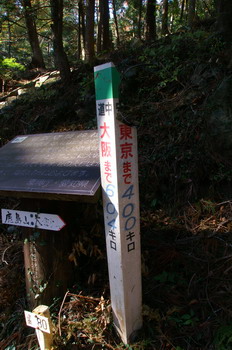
[
  {"x": 191, "y": 13},
  {"x": 165, "y": 29},
  {"x": 9, "y": 33},
  {"x": 182, "y": 11},
  {"x": 61, "y": 60},
  {"x": 140, "y": 19},
  {"x": 37, "y": 56},
  {"x": 151, "y": 20},
  {"x": 224, "y": 19},
  {"x": 81, "y": 30},
  {"x": 83, "y": 24},
  {"x": 105, "y": 25},
  {"x": 174, "y": 14},
  {"x": 116, "y": 22},
  {"x": 47, "y": 267},
  {"x": 90, "y": 6},
  {"x": 79, "y": 46},
  {"x": 99, "y": 28}
]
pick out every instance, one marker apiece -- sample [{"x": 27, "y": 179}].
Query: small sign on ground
[{"x": 36, "y": 321}]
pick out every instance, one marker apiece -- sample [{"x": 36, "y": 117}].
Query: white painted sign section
[
  {"x": 36, "y": 321},
  {"x": 33, "y": 220},
  {"x": 119, "y": 179}
]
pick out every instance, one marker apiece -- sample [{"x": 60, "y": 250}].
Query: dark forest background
[{"x": 175, "y": 60}]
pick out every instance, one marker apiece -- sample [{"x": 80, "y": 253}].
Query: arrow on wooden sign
[{"x": 50, "y": 222}]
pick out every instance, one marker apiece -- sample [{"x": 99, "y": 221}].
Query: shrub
[{"x": 9, "y": 68}]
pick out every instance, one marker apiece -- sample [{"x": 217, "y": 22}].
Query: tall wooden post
[{"x": 119, "y": 179}]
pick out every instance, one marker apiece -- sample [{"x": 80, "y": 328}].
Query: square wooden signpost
[
  {"x": 119, "y": 179},
  {"x": 49, "y": 172}
]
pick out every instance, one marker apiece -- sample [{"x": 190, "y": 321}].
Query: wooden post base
[{"x": 48, "y": 270}]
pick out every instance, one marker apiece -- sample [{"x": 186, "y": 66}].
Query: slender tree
[
  {"x": 182, "y": 10},
  {"x": 224, "y": 19},
  {"x": 105, "y": 25},
  {"x": 165, "y": 29},
  {"x": 9, "y": 35},
  {"x": 140, "y": 19},
  {"x": 60, "y": 57},
  {"x": 103, "y": 39},
  {"x": 183, "y": 5},
  {"x": 151, "y": 20},
  {"x": 81, "y": 31},
  {"x": 37, "y": 60},
  {"x": 191, "y": 12},
  {"x": 79, "y": 45},
  {"x": 136, "y": 11},
  {"x": 83, "y": 24},
  {"x": 116, "y": 22},
  {"x": 90, "y": 6},
  {"x": 99, "y": 27}
]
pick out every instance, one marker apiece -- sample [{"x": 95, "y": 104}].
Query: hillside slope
[{"x": 177, "y": 93}]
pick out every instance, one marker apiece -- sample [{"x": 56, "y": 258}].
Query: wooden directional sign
[
  {"x": 119, "y": 178},
  {"x": 31, "y": 219},
  {"x": 52, "y": 166},
  {"x": 38, "y": 322}
]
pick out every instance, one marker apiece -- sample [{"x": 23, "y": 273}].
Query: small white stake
[{"x": 44, "y": 339}]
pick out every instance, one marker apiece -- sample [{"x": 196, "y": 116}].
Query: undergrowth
[{"x": 185, "y": 196}]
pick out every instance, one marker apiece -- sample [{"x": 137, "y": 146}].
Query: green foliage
[
  {"x": 222, "y": 173},
  {"x": 14, "y": 32},
  {"x": 170, "y": 278},
  {"x": 170, "y": 54},
  {"x": 39, "y": 94},
  {"x": 10, "y": 347},
  {"x": 207, "y": 206},
  {"x": 223, "y": 338},
  {"x": 165, "y": 277},
  {"x": 86, "y": 87},
  {"x": 9, "y": 68},
  {"x": 187, "y": 319},
  {"x": 169, "y": 138}
]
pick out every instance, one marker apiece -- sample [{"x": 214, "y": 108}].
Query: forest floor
[{"x": 185, "y": 197}]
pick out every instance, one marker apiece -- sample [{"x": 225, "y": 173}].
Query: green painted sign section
[{"x": 107, "y": 83}]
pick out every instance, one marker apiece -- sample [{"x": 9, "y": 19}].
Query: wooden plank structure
[
  {"x": 52, "y": 173},
  {"x": 55, "y": 166},
  {"x": 119, "y": 178}
]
